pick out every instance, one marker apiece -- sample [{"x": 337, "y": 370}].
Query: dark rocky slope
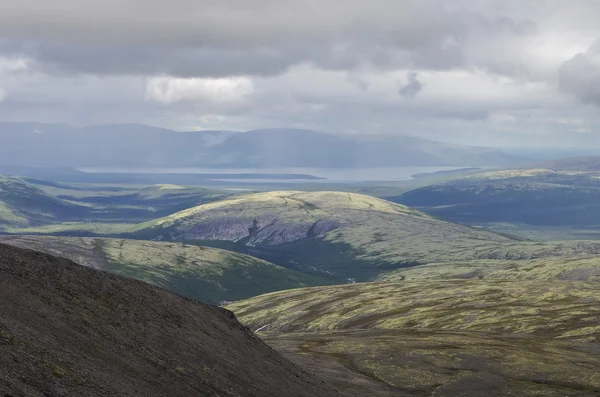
[{"x": 67, "y": 330}]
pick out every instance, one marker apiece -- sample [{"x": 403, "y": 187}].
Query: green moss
[{"x": 549, "y": 309}]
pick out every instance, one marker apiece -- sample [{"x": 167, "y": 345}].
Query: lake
[{"x": 330, "y": 174}]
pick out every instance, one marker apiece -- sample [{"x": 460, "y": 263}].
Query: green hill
[
  {"x": 352, "y": 236},
  {"x": 549, "y": 309},
  {"x": 207, "y": 274},
  {"x": 142, "y": 204},
  {"x": 24, "y": 204},
  {"x": 561, "y": 194},
  {"x": 446, "y": 338},
  {"x": 343, "y": 234},
  {"x": 31, "y": 203}
]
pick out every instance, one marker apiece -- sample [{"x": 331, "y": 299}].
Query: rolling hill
[
  {"x": 29, "y": 202},
  {"x": 351, "y": 237},
  {"x": 554, "y": 194},
  {"x": 207, "y": 274},
  {"x": 147, "y": 202},
  {"x": 24, "y": 204},
  {"x": 342, "y": 234},
  {"x": 134, "y": 145},
  {"x": 67, "y": 330},
  {"x": 442, "y": 338}
]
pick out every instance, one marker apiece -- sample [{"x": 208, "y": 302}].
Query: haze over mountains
[{"x": 134, "y": 145}]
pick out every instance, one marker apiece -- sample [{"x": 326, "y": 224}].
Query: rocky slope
[{"x": 67, "y": 330}]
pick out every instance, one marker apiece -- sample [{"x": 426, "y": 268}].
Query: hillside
[
  {"x": 29, "y": 202},
  {"x": 577, "y": 262},
  {"x": 207, "y": 274},
  {"x": 351, "y": 237},
  {"x": 586, "y": 164},
  {"x": 342, "y": 234},
  {"x": 57, "y": 145},
  {"x": 542, "y": 308},
  {"x": 70, "y": 330},
  {"x": 301, "y": 148},
  {"x": 560, "y": 194},
  {"x": 145, "y": 203},
  {"x": 134, "y": 145},
  {"x": 24, "y": 204},
  {"x": 443, "y": 338}
]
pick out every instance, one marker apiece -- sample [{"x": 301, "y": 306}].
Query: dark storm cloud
[{"x": 100, "y": 59}]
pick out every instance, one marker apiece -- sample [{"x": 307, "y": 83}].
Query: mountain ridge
[
  {"x": 137, "y": 145},
  {"x": 69, "y": 330}
]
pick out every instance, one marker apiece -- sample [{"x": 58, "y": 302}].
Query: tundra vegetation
[
  {"x": 207, "y": 274},
  {"x": 453, "y": 309},
  {"x": 442, "y": 338}
]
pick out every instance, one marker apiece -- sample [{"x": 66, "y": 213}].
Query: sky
[{"x": 483, "y": 72}]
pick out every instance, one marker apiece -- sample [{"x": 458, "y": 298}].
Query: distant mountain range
[{"x": 134, "y": 145}]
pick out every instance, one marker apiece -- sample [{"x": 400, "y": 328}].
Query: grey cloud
[
  {"x": 412, "y": 88},
  {"x": 580, "y": 75},
  {"x": 235, "y": 37},
  {"x": 59, "y": 58},
  {"x": 90, "y": 61}
]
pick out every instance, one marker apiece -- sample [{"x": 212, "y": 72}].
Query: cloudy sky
[{"x": 487, "y": 72}]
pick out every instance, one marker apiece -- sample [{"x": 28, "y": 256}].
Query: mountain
[
  {"x": 348, "y": 237},
  {"x": 302, "y": 148},
  {"x": 555, "y": 194},
  {"x": 119, "y": 145},
  {"x": 441, "y": 338},
  {"x": 341, "y": 234},
  {"x": 67, "y": 330},
  {"x": 134, "y": 145},
  {"x": 207, "y": 274}
]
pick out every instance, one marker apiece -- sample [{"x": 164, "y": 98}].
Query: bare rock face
[
  {"x": 261, "y": 230},
  {"x": 68, "y": 330}
]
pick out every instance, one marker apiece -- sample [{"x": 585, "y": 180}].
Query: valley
[
  {"x": 300, "y": 198},
  {"x": 209, "y": 275},
  {"x": 378, "y": 298}
]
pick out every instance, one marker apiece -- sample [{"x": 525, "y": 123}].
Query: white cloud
[
  {"x": 456, "y": 88},
  {"x": 227, "y": 91},
  {"x": 14, "y": 64}
]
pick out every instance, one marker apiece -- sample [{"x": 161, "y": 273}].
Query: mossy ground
[
  {"x": 443, "y": 338},
  {"x": 448, "y": 363}
]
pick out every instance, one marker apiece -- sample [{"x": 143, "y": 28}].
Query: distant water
[{"x": 330, "y": 174}]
